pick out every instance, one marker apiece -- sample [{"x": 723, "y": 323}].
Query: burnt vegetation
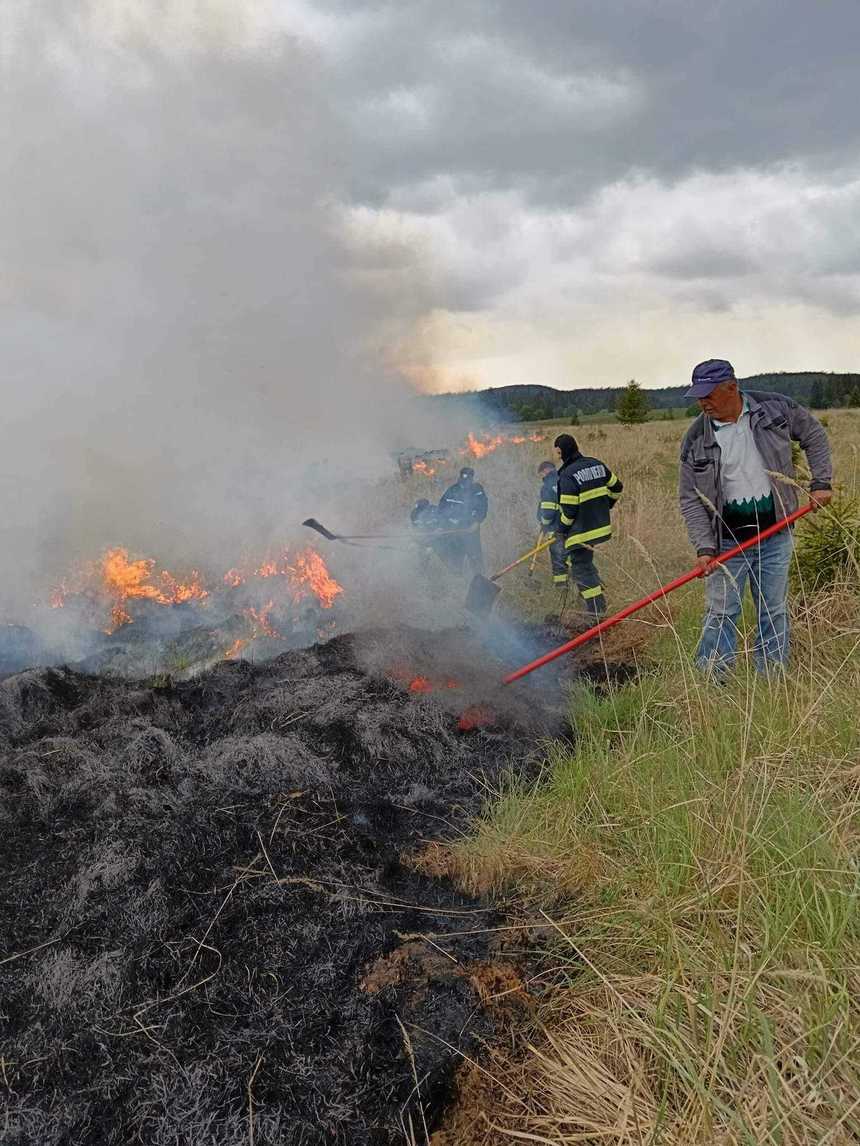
[{"x": 212, "y": 931}]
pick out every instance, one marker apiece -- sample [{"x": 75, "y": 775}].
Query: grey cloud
[
  {"x": 712, "y": 86},
  {"x": 708, "y": 260}
]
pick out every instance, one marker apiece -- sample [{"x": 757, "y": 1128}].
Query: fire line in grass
[
  {"x": 107, "y": 586},
  {"x": 477, "y": 446}
]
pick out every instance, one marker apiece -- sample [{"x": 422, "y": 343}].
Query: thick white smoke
[{"x": 192, "y": 359}]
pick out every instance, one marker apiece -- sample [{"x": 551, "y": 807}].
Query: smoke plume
[{"x": 194, "y": 357}]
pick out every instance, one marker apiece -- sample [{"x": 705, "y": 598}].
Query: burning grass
[
  {"x": 103, "y": 590},
  {"x": 116, "y": 579},
  {"x": 479, "y": 446}
]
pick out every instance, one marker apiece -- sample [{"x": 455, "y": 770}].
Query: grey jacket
[{"x": 776, "y": 422}]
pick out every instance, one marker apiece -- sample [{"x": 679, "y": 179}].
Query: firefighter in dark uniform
[
  {"x": 424, "y": 516},
  {"x": 587, "y": 491},
  {"x": 463, "y": 506},
  {"x": 425, "y": 521},
  {"x": 547, "y": 516}
]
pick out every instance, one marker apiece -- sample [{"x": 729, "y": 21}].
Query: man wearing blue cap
[{"x": 737, "y": 478}]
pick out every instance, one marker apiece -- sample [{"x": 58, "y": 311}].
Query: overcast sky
[
  {"x": 565, "y": 191},
  {"x": 612, "y": 189}
]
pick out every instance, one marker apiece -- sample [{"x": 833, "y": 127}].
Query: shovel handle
[
  {"x": 312, "y": 523},
  {"x": 533, "y": 561},
  {"x": 531, "y": 553},
  {"x": 655, "y": 596}
]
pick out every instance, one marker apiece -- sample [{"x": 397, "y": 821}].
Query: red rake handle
[{"x": 589, "y": 634}]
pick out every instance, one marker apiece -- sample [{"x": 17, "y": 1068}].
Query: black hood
[{"x": 568, "y": 446}]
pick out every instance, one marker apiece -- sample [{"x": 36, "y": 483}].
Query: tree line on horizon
[{"x": 531, "y": 403}]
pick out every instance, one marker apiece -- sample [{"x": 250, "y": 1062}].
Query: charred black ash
[{"x": 209, "y": 918}]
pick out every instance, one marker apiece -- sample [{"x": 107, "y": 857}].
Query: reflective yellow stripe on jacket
[
  {"x": 587, "y": 495},
  {"x": 589, "y": 535},
  {"x": 567, "y": 499}
]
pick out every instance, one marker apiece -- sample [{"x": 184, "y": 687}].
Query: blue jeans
[{"x": 765, "y": 566}]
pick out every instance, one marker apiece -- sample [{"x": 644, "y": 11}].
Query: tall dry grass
[{"x": 695, "y": 854}]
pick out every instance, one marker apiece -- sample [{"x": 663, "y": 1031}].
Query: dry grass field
[
  {"x": 696, "y": 853},
  {"x": 653, "y": 932}
]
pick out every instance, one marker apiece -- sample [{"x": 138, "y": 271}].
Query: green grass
[
  {"x": 694, "y": 855},
  {"x": 607, "y": 417},
  {"x": 698, "y": 845}
]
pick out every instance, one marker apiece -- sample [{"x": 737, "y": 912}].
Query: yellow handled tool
[
  {"x": 483, "y": 590},
  {"x": 535, "y": 554}
]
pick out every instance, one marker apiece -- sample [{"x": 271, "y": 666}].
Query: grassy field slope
[{"x": 696, "y": 852}]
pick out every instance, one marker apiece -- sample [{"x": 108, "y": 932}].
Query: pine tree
[
  {"x": 816, "y": 395},
  {"x": 632, "y": 405}
]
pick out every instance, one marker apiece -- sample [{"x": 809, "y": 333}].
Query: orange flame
[
  {"x": 109, "y": 584},
  {"x": 518, "y": 439},
  {"x": 479, "y": 447},
  {"x": 310, "y": 574},
  {"x": 259, "y": 618},
  {"x": 307, "y": 575},
  {"x": 420, "y": 683},
  {"x": 260, "y": 625},
  {"x": 120, "y": 579},
  {"x": 419, "y": 467},
  {"x": 236, "y": 648}
]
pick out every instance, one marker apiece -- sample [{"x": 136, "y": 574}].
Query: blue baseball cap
[{"x": 709, "y": 374}]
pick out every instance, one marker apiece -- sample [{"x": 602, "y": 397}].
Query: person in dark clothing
[
  {"x": 425, "y": 521},
  {"x": 463, "y": 506},
  {"x": 547, "y": 516},
  {"x": 424, "y": 516},
  {"x": 587, "y": 491}
]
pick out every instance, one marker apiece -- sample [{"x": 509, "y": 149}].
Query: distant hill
[{"x": 515, "y": 403}]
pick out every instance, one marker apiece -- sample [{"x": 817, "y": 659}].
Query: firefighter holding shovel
[
  {"x": 587, "y": 491},
  {"x": 547, "y": 517},
  {"x": 462, "y": 508}
]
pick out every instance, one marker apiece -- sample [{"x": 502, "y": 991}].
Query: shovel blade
[
  {"x": 312, "y": 523},
  {"x": 481, "y": 595}
]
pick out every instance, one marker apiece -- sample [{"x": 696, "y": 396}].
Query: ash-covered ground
[{"x": 212, "y": 932}]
